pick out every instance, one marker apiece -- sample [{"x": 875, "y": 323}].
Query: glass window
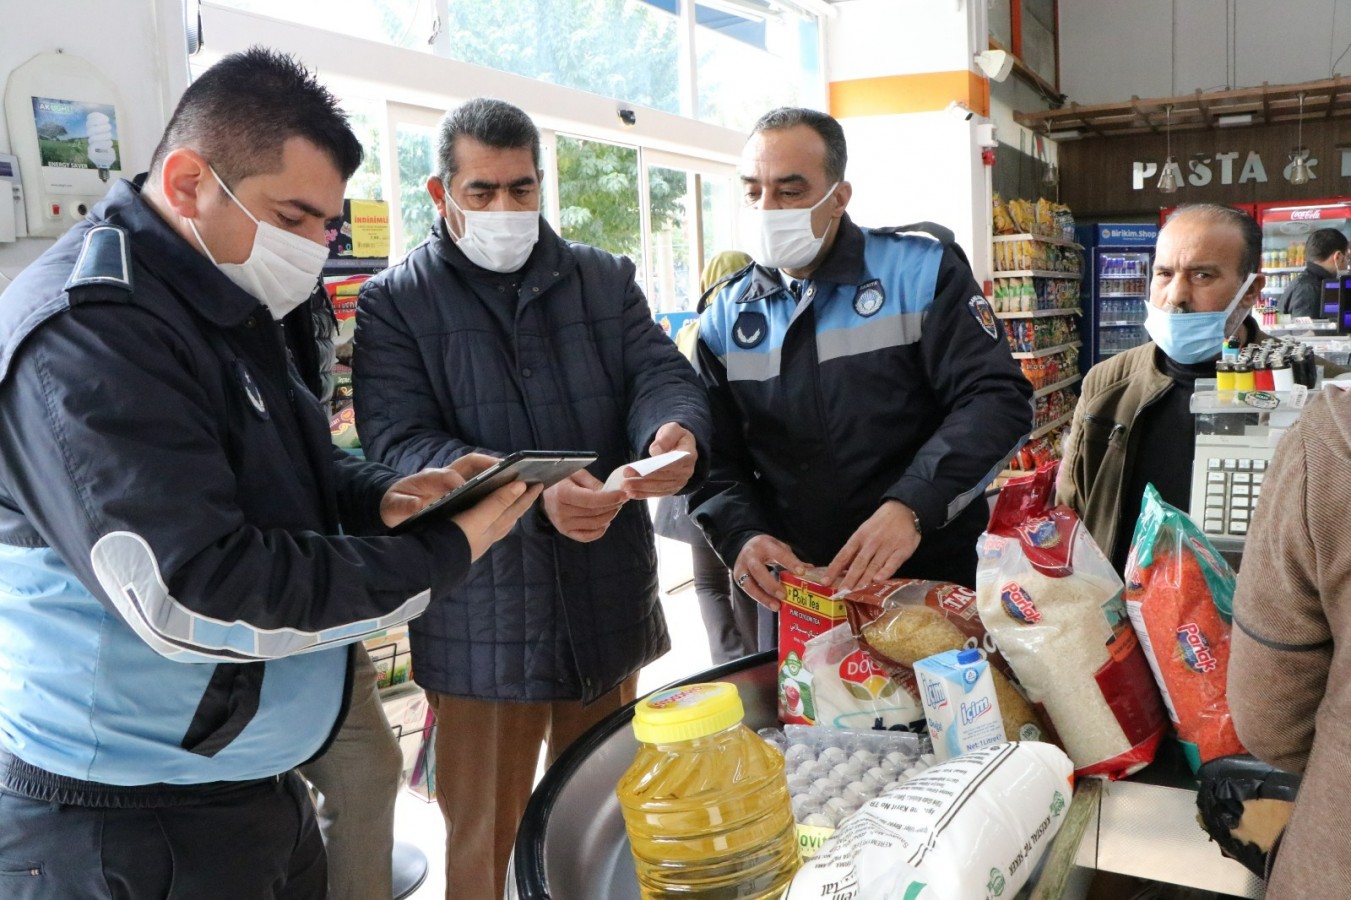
[
  {"x": 367, "y": 119},
  {"x": 598, "y": 196},
  {"x": 1030, "y": 31},
  {"x": 672, "y": 228},
  {"x": 747, "y": 66},
  {"x": 403, "y": 23},
  {"x": 719, "y": 197},
  {"x": 415, "y": 146},
  {"x": 626, "y": 49},
  {"x": 1001, "y": 23}
]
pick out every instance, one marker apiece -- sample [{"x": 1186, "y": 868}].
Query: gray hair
[
  {"x": 1251, "y": 260},
  {"x": 837, "y": 154},
  {"x": 494, "y": 123}
]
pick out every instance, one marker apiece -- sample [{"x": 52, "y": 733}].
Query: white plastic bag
[
  {"x": 974, "y": 826},
  {"x": 853, "y": 691}
]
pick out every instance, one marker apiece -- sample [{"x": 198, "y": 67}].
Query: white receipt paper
[{"x": 643, "y": 467}]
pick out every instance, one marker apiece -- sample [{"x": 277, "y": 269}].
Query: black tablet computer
[{"x": 544, "y": 467}]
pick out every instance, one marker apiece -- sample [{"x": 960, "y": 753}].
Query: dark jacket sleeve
[
  {"x": 661, "y": 384},
  {"x": 982, "y": 388},
  {"x": 1282, "y": 645},
  {"x": 1303, "y": 298},
  {"x": 727, "y": 507},
  {"x": 398, "y": 416},
  {"x": 115, "y": 453}
]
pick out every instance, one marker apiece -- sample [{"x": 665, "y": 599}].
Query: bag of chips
[
  {"x": 1179, "y": 595},
  {"x": 1052, "y": 602}
]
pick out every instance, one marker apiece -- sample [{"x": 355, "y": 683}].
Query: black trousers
[{"x": 260, "y": 842}]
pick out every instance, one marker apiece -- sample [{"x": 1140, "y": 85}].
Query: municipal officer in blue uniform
[
  {"x": 185, "y": 559},
  {"x": 863, "y": 392}
]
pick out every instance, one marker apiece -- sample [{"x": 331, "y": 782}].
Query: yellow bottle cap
[{"x": 688, "y": 712}]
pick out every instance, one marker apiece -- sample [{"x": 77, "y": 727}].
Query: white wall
[
  {"x": 130, "y": 42},
  {"x": 914, "y": 166},
  {"x": 1111, "y": 50}
]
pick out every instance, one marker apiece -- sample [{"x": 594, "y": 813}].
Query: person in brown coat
[{"x": 1289, "y": 680}]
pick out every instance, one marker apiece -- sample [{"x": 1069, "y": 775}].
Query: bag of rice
[
  {"x": 974, "y": 826},
  {"x": 853, "y": 691},
  {"x": 1053, "y": 604},
  {"x": 1179, "y": 595},
  {"x": 904, "y": 620}
]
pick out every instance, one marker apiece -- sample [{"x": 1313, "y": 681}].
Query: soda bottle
[{"x": 705, "y": 801}]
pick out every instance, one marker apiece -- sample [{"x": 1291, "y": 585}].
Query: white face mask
[
  {"x": 782, "y": 238},
  {"x": 496, "y": 241},
  {"x": 282, "y": 269}
]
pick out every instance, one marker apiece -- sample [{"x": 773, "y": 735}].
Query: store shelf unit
[
  {"x": 1040, "y": 313},
  {"x": 1045, "y": 239},
  {"x": 1038, "y": 273},
  {"x": 1050, "y": 426},
  {"x": 1052, "y": 388},
  {"x": 1047, "y": 351}
]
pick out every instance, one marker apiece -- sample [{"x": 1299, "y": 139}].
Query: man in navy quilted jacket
[{"x": 496, "y": 335}]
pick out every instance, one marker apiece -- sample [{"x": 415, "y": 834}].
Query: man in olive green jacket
[{"x": 1132, "y": 425}]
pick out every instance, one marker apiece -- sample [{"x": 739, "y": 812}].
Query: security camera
[
  {"x": 960, "y": 110},
  {"x": 628, "y": 117}
]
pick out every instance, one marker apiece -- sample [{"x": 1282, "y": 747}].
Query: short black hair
[
  {"x": 1323, "y": 243},
  {"x": 240, "y": 112},
  {"x": 837, "y": 153},
  {"x": 494, "y": 123},
  {"x": 1251, "y": 260}
]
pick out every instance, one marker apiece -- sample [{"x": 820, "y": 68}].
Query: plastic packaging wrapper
[
  {"x": 852, "y": 690},
  {"x": 903, "y": 620},
  {"x": 974, "y": 826},
  {"x": 1179, "y": 595},
  {"x": 1054, "y": 606},
  {"x": 831, "y": 773}
]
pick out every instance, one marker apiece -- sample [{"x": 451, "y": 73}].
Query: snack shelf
[
  {"x": 1040, "y": 313},
  {"x": 1127, "y": 294},
  {"x": 1047, "y": 351},
  {"x": 1050, "y": 426},
  {"x": 1052, "y": 388},
  {"x": 1037, "y": 273},
  {"x": 1045, "y": 239},
  {"x": 1279, "y": 269}
]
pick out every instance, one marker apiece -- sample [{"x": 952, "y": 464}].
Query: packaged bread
[{"x": 903, "y": 620}]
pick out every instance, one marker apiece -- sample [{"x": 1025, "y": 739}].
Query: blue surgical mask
[{"x": 1192, "y": 337}]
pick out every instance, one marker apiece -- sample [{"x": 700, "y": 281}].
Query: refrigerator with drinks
[
  {"x": 1285, "y": 228},
  {"x": 1117, "y": 261}
]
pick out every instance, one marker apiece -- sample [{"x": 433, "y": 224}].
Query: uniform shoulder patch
[
  {"x": 869, "y": 298},
  {"x": 105, "y": 259},
  {"x": 749, "y": 330},
  {"x": 983, "y": 313}
]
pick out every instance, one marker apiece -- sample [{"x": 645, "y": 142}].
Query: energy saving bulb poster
[{"x": 75, "y": 135}]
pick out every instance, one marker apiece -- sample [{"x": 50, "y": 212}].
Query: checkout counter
[{"x": 572, "y": 845}]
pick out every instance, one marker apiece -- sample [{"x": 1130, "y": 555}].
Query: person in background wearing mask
[
  {"x": 729, "y": 614},
  {"x": 862, "y": 388},
  {"x": 1133, "y": 424},
  {"x": 185, "y": 558},
  {"x": 495, "y": 334},
  {"x": 1324, "y": 258}
]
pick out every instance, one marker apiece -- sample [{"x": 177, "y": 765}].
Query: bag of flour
[{"x": 974, "y": 826}]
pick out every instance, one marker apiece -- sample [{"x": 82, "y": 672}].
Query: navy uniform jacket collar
[
  {"x": 182, "y": 266},
  {"x": 842, "y": 265}
]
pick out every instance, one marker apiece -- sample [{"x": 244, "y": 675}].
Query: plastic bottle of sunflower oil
[{"x": 706, "y": 801}]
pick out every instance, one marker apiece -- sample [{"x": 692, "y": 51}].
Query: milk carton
[{"x": 960, "y": 705}]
